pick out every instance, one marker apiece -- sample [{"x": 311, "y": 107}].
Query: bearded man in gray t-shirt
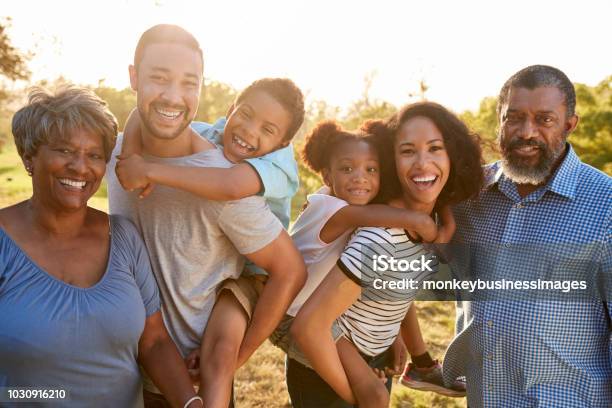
[{"x": 195, "y": 244}]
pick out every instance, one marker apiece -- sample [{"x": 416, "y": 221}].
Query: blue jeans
[{"x": 308, "y": 390}]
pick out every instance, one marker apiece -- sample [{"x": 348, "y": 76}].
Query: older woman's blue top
[{"x": 82, "y": 340}]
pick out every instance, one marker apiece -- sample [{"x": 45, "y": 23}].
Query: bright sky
[{"x": 463, "y": 49}]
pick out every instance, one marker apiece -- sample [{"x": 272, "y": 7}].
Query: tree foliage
[
  {"x": 120, "y": 101},
  {"x": 362, "y": 110},
  {"x": 484, "y": 123},
  {"x": 367, "y": 108},
  {"x": 592, "y": 139},
  {"x": 215, "y": 100},
  {"x": 13, "y": 66},
  {"x": 13, "y": 63}
]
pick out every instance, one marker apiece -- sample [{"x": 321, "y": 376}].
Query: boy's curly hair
[{"x": 285, "y": 92}]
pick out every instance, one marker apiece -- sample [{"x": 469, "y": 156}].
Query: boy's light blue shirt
[{"x": 277, "y": 170}]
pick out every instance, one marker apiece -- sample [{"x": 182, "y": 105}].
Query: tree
[
  {"x": 13, "y": 66},
  {"x": 316, "y": 111},
  {"x": 484, "y": 123},
  {"x": 592, "y": 139},
  {"x": 13, "y": 63},
  {"x": 120, "y": 101},
  {"x": 365, "y": 108},
  {"x": 421, "y": 93},
  {"x": 215, "y": 100}
]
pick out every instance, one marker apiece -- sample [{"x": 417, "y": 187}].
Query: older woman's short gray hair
[{"x": 51, "y": 115}]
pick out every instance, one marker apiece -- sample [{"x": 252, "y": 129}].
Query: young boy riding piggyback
[{"x": 256, "y": 137}]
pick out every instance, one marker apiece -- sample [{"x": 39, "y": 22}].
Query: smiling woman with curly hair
[{"x": 465, "y": 177}]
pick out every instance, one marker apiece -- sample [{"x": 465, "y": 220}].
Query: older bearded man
[{"x": 543, "y": 213}]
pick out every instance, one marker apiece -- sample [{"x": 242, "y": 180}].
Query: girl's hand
[
  {"x": 192, "y": 361},
  {"x": 427, "y": 229},
  {"x": 400, "y": 357},
  {"x": 380, "y": 374}
]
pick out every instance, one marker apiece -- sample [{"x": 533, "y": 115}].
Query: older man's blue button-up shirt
[{"x": 537, "y": 353}]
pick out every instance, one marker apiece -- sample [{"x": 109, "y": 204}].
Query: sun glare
[{"x": 460, "y": 50}]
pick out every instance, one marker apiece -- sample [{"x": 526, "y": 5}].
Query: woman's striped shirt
[{"x": 373, "y": 322}]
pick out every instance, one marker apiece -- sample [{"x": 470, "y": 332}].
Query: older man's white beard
[
  {"x": 526, "y": 175},
  {"x": 519, "y": 173}
]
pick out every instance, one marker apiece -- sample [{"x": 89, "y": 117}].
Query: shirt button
[
  {"x": 490, "y": 356},
  {"x": 519, "y": 205},
  {"x": 490, "y": 387},
  {"x": 490, "y": 323}
]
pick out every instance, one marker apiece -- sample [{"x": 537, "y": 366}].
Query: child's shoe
[{"x": 430, "y": 379}]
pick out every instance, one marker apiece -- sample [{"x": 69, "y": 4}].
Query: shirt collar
[
  {"x": 566, "y": 177},
  {"x": 217, "y": 130},
  {"x": 563, "y": 182},
  {"x": 492, "y": 174}
]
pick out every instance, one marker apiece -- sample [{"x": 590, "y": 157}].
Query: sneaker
[{"x": 430, "y": 379}]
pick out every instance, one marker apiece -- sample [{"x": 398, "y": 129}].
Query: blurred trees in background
[
  {"x": 592, "y": 139},
  {"x": 120, "y": 101},
  {"x": 13, "y": 67},
  {"x": 484, "y": 123},
  {"x": 215, "y": 99},
  {"x": 593, "y": 136},
  {"x": 13, "y": 62}
]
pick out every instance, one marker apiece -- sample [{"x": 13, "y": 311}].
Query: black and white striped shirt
[{"x": 373, "y": 322}]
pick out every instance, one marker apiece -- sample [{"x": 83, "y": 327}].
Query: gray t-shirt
[{"x": 193, "y": 243}]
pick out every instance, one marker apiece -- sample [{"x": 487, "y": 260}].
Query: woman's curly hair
[{"x": 463, "y": 147}]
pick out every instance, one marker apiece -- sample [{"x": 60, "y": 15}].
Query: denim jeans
[{"x": 308, "y": 390}]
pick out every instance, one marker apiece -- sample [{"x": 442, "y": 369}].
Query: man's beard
[
  {"x": 519, "y": 169},
  {"x": 147, "y": 123}
]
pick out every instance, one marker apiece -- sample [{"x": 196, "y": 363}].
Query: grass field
[{"x": 261, "y": 383}]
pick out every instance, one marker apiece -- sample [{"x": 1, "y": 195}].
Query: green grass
[
  {"x": 15, "y": 184},
  {"x": 261, "y": 382}
]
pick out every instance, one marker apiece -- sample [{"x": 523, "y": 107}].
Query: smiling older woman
[{"x": 79, "y": 304}]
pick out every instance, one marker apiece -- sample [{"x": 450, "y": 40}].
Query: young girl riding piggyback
[{"x": 350, "y": 166}]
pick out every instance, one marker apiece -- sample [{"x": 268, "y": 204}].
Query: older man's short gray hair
[
  {"x": 536, "y": 76},
  {"x": 51, "y": 115}
]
